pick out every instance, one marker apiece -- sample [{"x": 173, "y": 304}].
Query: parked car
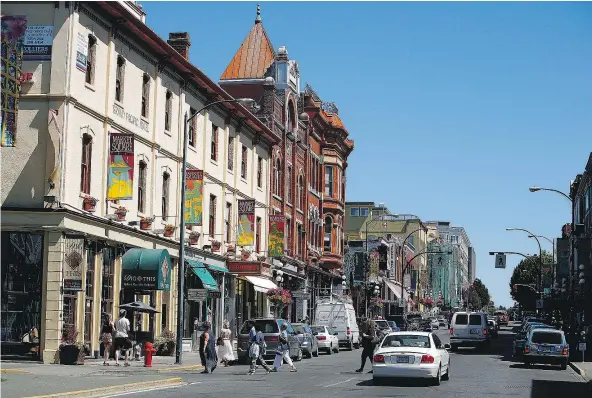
[
  {"x": 442, "y": 323},
  {"x": 520, "y": 340},
  {"x": 383, "y": 327},
  {"x": 271, "y": 331},
  {"x": 339, "y": 317},
  {"x": 308, "y": 342},
  {"x": 326, "y": 340},
  {"x": 434, "y": 323},
  {"x": 546, "y": 346},
  {"x": 469, "y": 329},
  {"x": 492, "y": 327},
  {"x": 411, "y": 355}
]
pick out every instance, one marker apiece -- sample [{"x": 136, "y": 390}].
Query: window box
[
  {"x": 216, "y": 246},
  {"x": 169, "y": 230},
  {"x": 120, "y": 213},
  {"x": 146, "y": 223},
  {"x": 194, "y": 238},
  {"x": 89, "y": 204}
]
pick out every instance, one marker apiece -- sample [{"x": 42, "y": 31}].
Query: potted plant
[
  {"x": 194, "y": 238},
  {"x": 279, "y": 298},
  {"x": 120, "y": 213},
  {"x": 230, "y": 247},
  {"x": 169, "y": 230},
  {"x": 89, "y": 204},
  {"x": 146, "y": 223},
  {"x": 165, "y": 343},
  {"x": 215, "y": 246},
  {"x": 71, "y": 350}
]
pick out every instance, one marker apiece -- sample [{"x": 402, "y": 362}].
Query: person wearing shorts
[{"x": 122, "y": 341}]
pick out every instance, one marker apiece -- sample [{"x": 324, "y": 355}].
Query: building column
[
  {"x": 158, "y": 316},
  {"x": 51, "y": 331}
]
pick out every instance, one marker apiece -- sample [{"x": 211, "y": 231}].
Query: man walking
[
  {"x": 257, "y": 352},
  {"x": 368, "y": 338}
]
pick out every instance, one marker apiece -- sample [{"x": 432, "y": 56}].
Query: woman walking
[
  {"x": 207, "y": 349},
  {"x": 368, "y": 337},
  {"x": 225, "y": 351},
  {"x": 107, "y": 337},
  {"x": 283, "y": 351}
]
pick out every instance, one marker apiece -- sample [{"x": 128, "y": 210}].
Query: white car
[
  {"x": 328, "y": 342},
  {"x": 434, "y": 323},
  {"x": 411, "y": 355}
]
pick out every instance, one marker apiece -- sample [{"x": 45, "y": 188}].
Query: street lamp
[
  {"x": 181, "y": 281},
  {"x": 536, "y": 189},
  {"x": 540, "y": 255}
]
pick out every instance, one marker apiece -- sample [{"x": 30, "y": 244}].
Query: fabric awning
[
  {"x": 215, "y": 265},
  {"x": 261, "y": 285},
  {"x": 395, "y": 287},
  {"x": 146, "y": 269},
  {"x": 200, "y": 270}
]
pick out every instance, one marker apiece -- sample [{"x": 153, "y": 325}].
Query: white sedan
[
  {"x": 328, "y": 342},
  {"x": 411, "y": 355}
]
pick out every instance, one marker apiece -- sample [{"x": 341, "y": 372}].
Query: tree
[
  {"x": 482, "y": 291},
  {"x": 474, "y": 299},
  {"x": 527, "y": 273}
]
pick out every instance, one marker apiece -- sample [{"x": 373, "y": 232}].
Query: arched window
[
  {"x": 85, "y": 164},
  {"x": 142, "y": 187},
  {"x": 278, "y": 177},
  {"x": 291, "y": 122},
  {"x": 328, "y": 234}
]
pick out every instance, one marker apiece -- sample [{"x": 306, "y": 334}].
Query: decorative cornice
[{"x": 162, "y": 63}]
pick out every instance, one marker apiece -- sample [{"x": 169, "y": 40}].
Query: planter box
[
  {"x": 71, "y": 355},
  {"x": 144, "y": 225}
]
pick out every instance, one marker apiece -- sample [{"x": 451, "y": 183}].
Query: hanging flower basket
[
  {"x": 278, "y": 299},
  {"x": 89, "y": 204},
  {"x": 120, "y": 213},
  {"x": 169, "y": 230},
  {"x": 216, "y": 246},
  {"x": 146, "y": 223},
  {"x": 194, "y": 238},
  {"x": 428, "y": 302},
  {"x": 377, "y": 302}
]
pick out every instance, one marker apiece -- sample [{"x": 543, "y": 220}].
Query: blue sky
[{"x": 455, "y": 108}]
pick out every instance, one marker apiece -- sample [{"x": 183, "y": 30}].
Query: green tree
[
  {"x": 482, "y": 291},
  {"x": 474, "y": 299},
  {"x": 527, "y": 273}
]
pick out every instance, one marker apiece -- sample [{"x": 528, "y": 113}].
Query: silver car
[{"x": 308, "y": 342}]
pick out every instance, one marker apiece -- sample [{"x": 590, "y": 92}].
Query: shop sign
[
  {"x": 139, "y": 279},
  {"x": 245, "y": 267},
  {"x": 37, "y": 43},
  {"x": 73, "y": 259},
  {"x": 215, "y": 294},
  {"x": 131, "y": 119},
  {"x": 197, "y": 294}
]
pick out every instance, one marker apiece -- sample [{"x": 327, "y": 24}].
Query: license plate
[
  {"x": 402, "y": 359},
  {"x": 475, "y": 331},
  {"x": 546, "y": 349}
]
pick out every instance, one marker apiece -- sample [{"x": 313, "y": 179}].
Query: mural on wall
[
  {"x": 276, "y": 235},
  {"x": 120, "y": 183},
  {"x": 246, "y": 222},
  {"x": 13, "y": 33},
  {"x": 194, "y": 197}
]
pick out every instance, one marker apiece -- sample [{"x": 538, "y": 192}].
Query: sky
[{"x": 456, "y": 109}]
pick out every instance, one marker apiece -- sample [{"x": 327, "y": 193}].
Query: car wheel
[
  {"x": 309, "y": 354},
  {"x": 438, "y": 377},
  {"x": 447, "y": 375},
  {"x": 330, "y": 350},
  {"x": 299, "y": 357},
  {"x": 316, "y": 352},
  {"x": 351, "y": 345}
]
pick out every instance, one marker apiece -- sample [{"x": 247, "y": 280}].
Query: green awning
[
  {"x": 146, "y": 269},
  {"x": 217, "y": 266},
  {"x": 200, "y": 270}
]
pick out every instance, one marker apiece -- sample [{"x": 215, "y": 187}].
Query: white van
[
  {"x": 340, "y": 318},
  {"x": 469, "y": 329}
]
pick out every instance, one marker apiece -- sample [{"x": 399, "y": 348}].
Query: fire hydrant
[{"x": 148, "y": 352}]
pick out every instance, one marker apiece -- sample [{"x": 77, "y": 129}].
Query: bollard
[{"x": 148, "y": 352}]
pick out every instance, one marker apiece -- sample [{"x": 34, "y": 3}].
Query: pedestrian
[
  {"x": 122, "y": 340},
  {"x": 107, "y": 338},
  {"x": 207, "y": 349},
  {"x": 225, "y": 351},
  {"x": 283, "y": 351},
  {"x": 257, "y": 350},
  {"x": 368, "y": 343}
]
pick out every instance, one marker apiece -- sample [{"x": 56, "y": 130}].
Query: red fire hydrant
[{"x": 148, "y": 352}]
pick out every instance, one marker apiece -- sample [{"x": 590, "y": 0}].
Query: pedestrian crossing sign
[{"x": 500, "y": 260}]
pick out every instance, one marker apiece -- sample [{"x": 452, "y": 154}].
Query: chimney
[{"x": 180, "y": 42}]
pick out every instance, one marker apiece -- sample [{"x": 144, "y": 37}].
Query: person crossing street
[
  {"x": 283, "y": 351},
  {"x": 257, "y": 351},
  {"x": 368, "y": 343}
]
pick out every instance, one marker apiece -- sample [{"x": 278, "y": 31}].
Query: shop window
[
  {"x": 119, "y": 78},
  {"x": 230, "y": 153},
  {"x": 328, "y": 232},
  {"x": 69, "y": 311},
  {"x": 168, "y": 110},
  {"x": 145, "y": 94},
  {"x": 108, "y": 270},
  {"x": 244, "y": 162},
  {"x": 142, "y": 187},
  {"x": 166, "y": 182},
  {"x": 91, "y": 60},
  {"x": 85, "y": 164},
  {"x": 259, "y": 172},
  {"x": 258, "y": 235},
  {"x": 192, "y": 128},
  {"x": 214, "y": 143},
  {"x": 89, "y": 293}
]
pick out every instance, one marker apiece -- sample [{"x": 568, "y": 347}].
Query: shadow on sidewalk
[{"x": 554, "y": 389}]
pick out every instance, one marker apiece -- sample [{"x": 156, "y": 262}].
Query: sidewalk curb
[
  {"x": 577, "y": 369},
  {"x": 103, "y": 391},
  {"x": 13, "y": 371}
]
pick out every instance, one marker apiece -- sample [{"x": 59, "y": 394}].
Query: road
[{"x": 473, "y": 375}]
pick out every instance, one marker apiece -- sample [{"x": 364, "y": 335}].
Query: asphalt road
[{"x": 473, "y": 374}]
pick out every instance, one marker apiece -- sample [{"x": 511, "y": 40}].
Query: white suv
[{"x": 469, "y": 329}]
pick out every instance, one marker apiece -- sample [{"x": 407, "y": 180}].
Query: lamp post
[
  {"x": 536, "y": 189},
  {"x": 540, "y": 256},
  {"x": 181, "y": 281}
]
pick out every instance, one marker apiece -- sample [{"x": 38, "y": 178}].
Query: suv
[
  {"x": 469, "y": 329},
  {"x": 271, "y": 331},
  {"x": 547, "y": 346}
]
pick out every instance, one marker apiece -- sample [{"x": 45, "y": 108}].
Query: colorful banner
[
  {"x": 193, "y": 197},
  {"x": 245, "y": 233},
  {"x": 120, "y": 182},
  {"x": 275, "y": 241},
  {"x": 13, "y": 33}
]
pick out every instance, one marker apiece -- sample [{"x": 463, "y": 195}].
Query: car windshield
[
  {"x": 299, "y": 329},
  {"x": 462, "y": 319},
  {"x": 546, "y": 338},
  {"x": 475, "y": 320},
  {"x": 267, "y": 326},
  {"x": 317, "y": 329},
  {"x": 406, "y": 340}
]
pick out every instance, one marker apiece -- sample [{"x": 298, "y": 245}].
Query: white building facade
[{"x": 100, "y": 127}]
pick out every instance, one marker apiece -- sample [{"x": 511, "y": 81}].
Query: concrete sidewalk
[{"x": 584, "y": 369}]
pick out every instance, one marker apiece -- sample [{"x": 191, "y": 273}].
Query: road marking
[
  {"x": 175, "y": 368},
  {"x": 14, "y": 371},
  {"x": 341, "y": 382},
  {"x": 150, "y": 389}
]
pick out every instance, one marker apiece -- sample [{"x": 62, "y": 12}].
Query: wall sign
[
  {"x": 246, "y": 221},
  {"x": 131, "y": 119},
  {"x": 197, "y": 294},
  {"x": 120, "y": 181},
  {"x": 73, "y": 260},
  {"x": 37, "y": 43},
  {"x": 81, "y": 51},
  {"x": 245, "y": 267},
  {"x": 194, "y": 197}
]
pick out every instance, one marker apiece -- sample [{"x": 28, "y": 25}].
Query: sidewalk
[{"x": 584, "y": 369}]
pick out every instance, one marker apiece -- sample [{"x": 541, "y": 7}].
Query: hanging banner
[
  {"x": 81, "y": 51},
  {"x": 38, "y": 42},
  {"x": 193, "y": 197},
  {"x": 246, "y": 223},
  {"x": 120, "y": 182},
  {"x": 275, "y": 245},
  {"x": 13, "y": 33}
]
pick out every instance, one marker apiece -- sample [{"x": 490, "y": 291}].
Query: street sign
[
  {"x": 539, "y": 304},
  {"x": 582, "y": 347},
  {"x": 215, "y": 294},
  {"x": 197, "y": 294},
  {"x": 500, "y": 260}
]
